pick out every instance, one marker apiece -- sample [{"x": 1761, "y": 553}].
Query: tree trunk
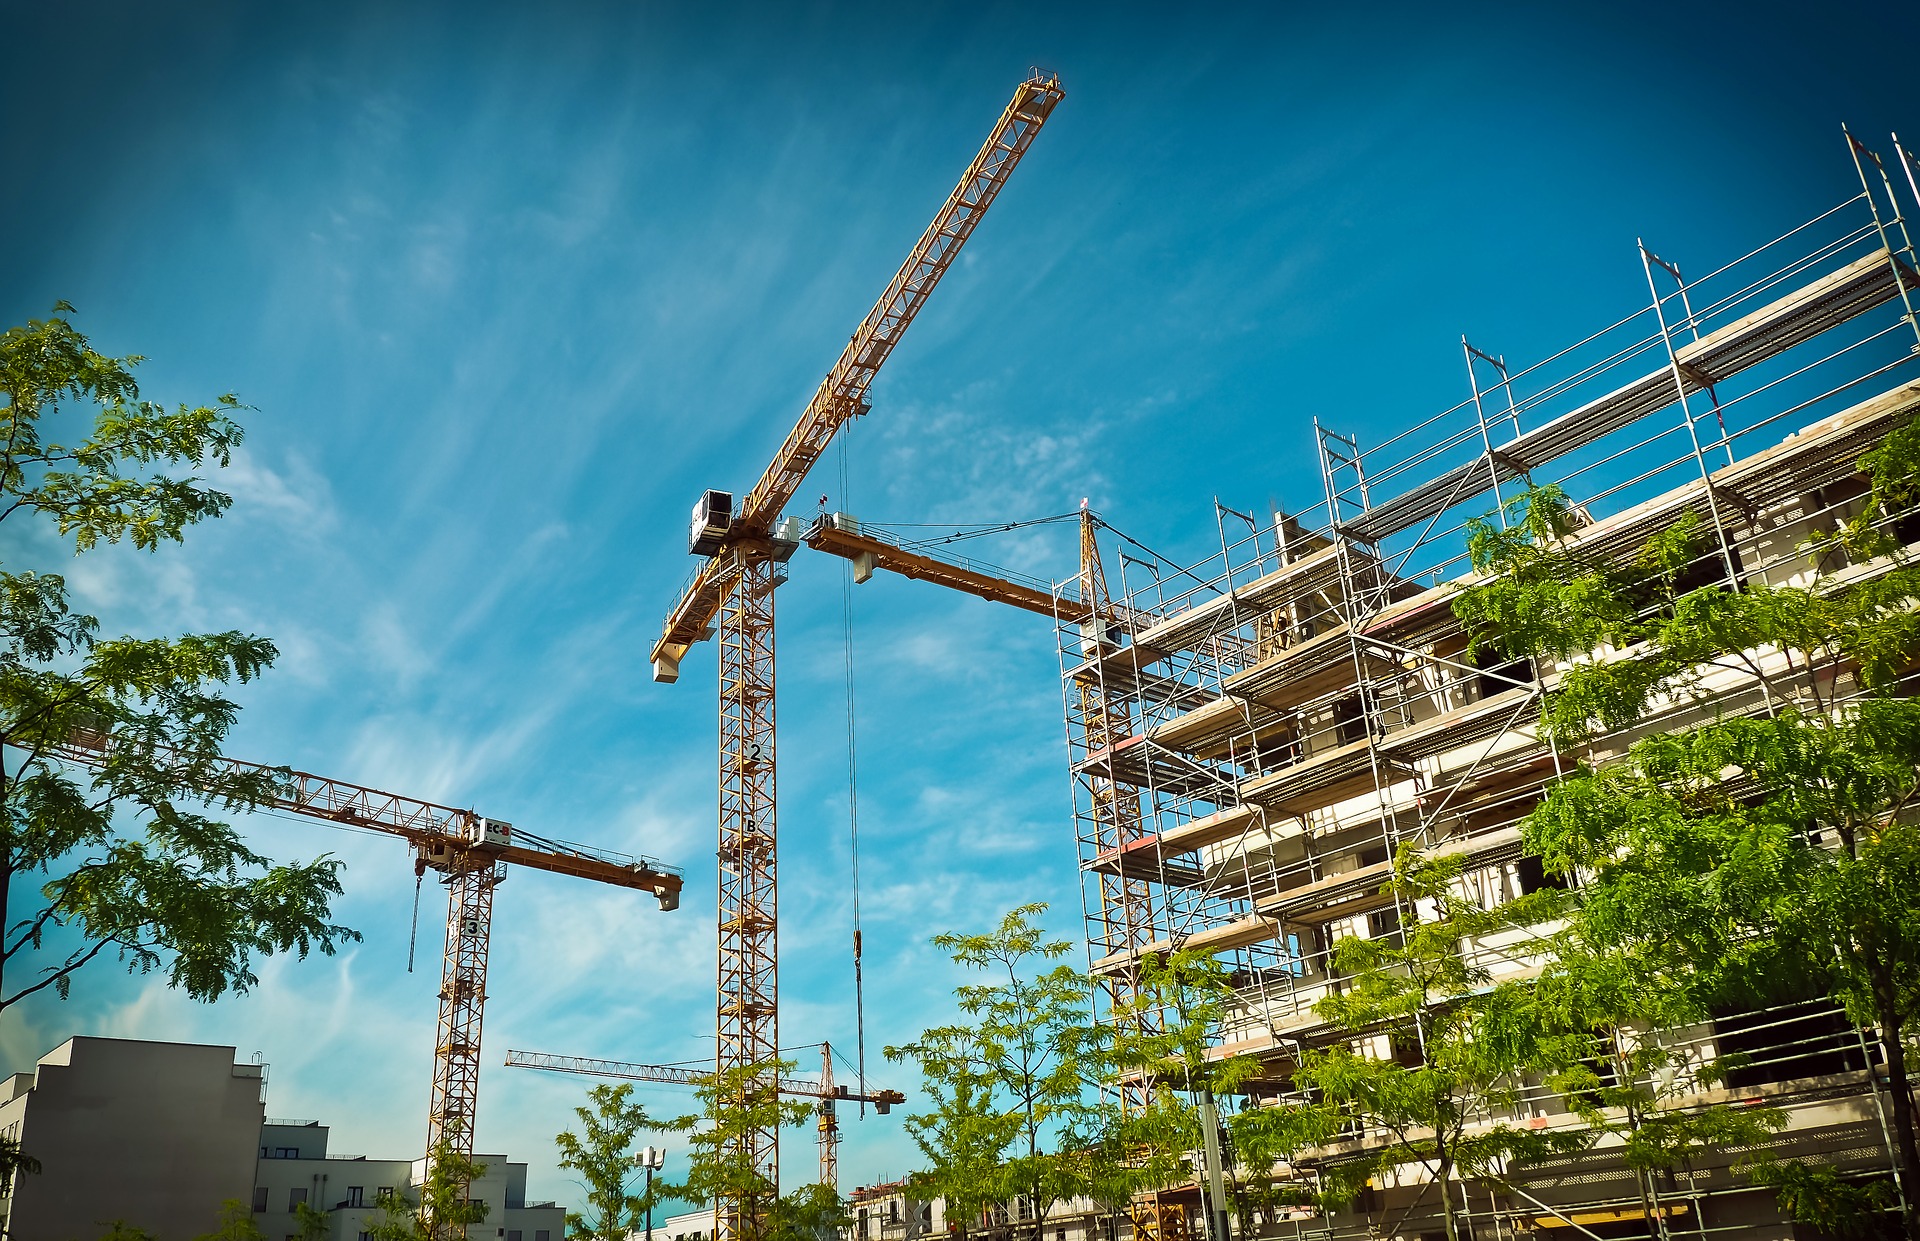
[
  {"x": 6, "y": 886},
  {"x": 1443, "y": 1176},
  {"x": 1888, "y": 1012}
]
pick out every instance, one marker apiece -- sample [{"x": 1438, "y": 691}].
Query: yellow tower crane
[
  {"x": 732, "y": 593},
  {"x": 471, "y": 854}
]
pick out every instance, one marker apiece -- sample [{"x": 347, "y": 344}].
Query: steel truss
[{"x": 748, "y": 1019}]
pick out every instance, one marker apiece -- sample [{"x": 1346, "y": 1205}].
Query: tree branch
[
  {"x": 73, "y": 963},
  {"x": 32, "y": 925}
]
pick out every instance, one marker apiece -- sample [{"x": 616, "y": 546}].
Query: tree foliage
[
  {"x": 15, "y": 1162},
  {"x": 236, "y": 1224},
  {"x": 132, "y": 867},
  {"x": 121, "y": 1230},
  {"x": 313, "y": 1224},
  {"x": 441, "y": 1210},
  {"x": 1014, "y": 1076},
  {"x": 734, "y": 1104},
  {"x": 1160, "y": 1038},
  {"x": 1432, "y": 1047},
  {"x": 602, "y": 1153},
  {"x": 1767, "y": 850},
  {"x": 966, "y": 1134},
  {"x": 810, "y": 1213}
]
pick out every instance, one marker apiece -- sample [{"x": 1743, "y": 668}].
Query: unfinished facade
[{"x": 1253, "y": 737}]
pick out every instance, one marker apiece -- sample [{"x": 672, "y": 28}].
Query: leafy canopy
[
  {"x": 1161, "y": 1034},
  {"x": 602, "y": 1153},
  {"x": 441, "y": 1210},
  {"x": 133, "y": 864},
  {"x": 1432, "y": 1048},
  {"x": 734, "y": 1105},
  {"x": 236, "y": 1224},
  {"x": 1762, "y": 853},
  {"x": 1013, "y": 1079}
]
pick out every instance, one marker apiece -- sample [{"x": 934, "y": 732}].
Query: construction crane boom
[
  {"x": 427, "y": 826},
  {"x": 842, "y": 395},
  {"x": 681, "y": 1075},
  {"x": 473, "y": 853},
  {"x": 823, "y": 1090},
  {"x": 731, "y": 595}
]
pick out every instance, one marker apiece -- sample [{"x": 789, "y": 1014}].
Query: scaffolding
[{"x": 1255, "y": 736}]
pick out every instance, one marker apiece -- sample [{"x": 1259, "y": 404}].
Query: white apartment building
[{"x": 295, "y": 1167}]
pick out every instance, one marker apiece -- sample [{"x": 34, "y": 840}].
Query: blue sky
[{"x": 509, "y": 286}]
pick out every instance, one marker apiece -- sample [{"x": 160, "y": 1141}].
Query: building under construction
[{"x": 1254, "y": 737}]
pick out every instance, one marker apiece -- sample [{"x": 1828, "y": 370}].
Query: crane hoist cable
[
  {"x": 853, "y": 797},
  {"x": 413, "y": 932}
]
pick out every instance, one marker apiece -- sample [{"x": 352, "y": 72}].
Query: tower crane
[
  {"x": 746, "y": 550},
  {"x": 823, "y": 1091},
  {"x": 471, "y": 853}
]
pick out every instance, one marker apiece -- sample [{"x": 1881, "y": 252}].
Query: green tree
[
  {"x": 965, "y": 1137},
  {"x": 441, "y": 1211},
  {"x": 313, "y": 1225},
  {"x": 810, "y": 1213},
  {"x": 1035, "y": 1042},
  {"x": 236, "y": 1224},
  {"x": 1432, "y": 1048},
  {"x": 602, "y": 1153},
  {"x": 1752, "y": 853},
  {"x": 735, "y": 1104},
  {"x": 15, "y": 1162},
  {"x": 121, "y": 1230},
  {"x": 1114, "y": 1168},
  {"x": 132, "y": 869},
  {"x": 1593, "y": 1015},
  {"x": 1160, "y": 1053}
]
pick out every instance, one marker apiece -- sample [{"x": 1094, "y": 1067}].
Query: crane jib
[{"x": 841, "y": 396}]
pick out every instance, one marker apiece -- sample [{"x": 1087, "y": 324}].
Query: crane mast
[
  {"x": 732, "y": 593},
  {"x": 473, "y": 853}
]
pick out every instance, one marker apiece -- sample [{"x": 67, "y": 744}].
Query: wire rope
[
  {"x": 413, "y": 932},
  {"x": 853, "y": 801}
]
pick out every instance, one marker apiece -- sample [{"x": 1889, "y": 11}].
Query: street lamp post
[{"x": 651, "y": 1158}]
